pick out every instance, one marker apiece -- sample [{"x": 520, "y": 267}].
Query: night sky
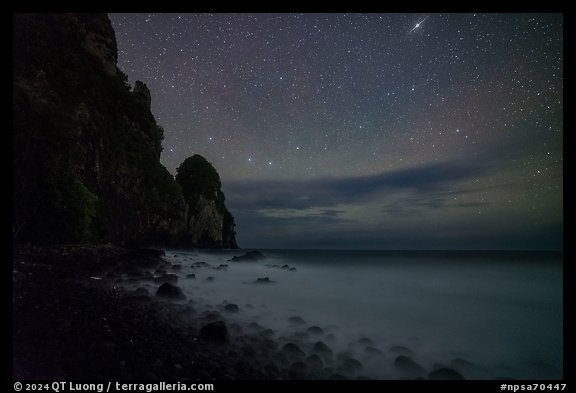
[{"x": 381, "y": 131}]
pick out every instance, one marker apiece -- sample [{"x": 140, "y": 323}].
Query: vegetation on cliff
[
  {"x": 202, "y": 191},
  {"x": 86, "y": 146}
]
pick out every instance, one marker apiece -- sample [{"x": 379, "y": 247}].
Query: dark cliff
[
  {"x": 208, "y": 222},
  {"x": 86, "y": 147}
]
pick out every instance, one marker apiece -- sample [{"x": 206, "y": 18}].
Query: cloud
[
  {"x": 432, "y": 182},
  {"x": 432, "y": 206}
]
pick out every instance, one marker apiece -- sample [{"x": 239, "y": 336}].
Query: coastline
[
  {"x": 74, "y": 317},
  {"x": 93, "y": 312},
  {"x": 68, "y": 325}
]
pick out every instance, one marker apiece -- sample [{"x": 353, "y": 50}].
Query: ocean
[{"x": 487, "y": 315}]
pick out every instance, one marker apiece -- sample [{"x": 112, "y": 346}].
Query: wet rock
[
  {"x": 465, "y": 367},
  {"x": 170, "y": 291},
  {"x": 222, "y": 267},
  {"x": 292, "y": 269},
  {"x": 296, "y": 320},
  {"x": 215, "y": 332},
  {"x": 268, "y": 333},
  {"x": 232, "y": 308},
  {"x": 209, "y": 278},
  {"x": 191, "y": 275},
  {"x": 171, "y": 278},
  {"x": 292, "y": 350},
  {"x": 301, "y": 336},
  {"x": 263, "y": 280},
  {"x": 315, "y": 330},
  {"x": 372, "y": 351},
  {"x": 445, "y": 374},
  {"x": 251, "y": 256},
  {"x": 286, "y": 267},
  {"x": 350, "y": 366},
  {"x": 255, "y": 326},
  {"x": 365, "y": 341},
  {"x": 176, "y": 267},
  {"x": 314, "y": 362},
  {"x": 212, "y": 316},
  {"x": 322, "y": 349},
  {"x": 408, "y": 368},
  {"x": 269, "y": 345},
  {"x": 160, "y": 272},
  {"x": 201, "y": 264},
  {"x": 400, "y": 350},
  {"x": 330, "y": 338}
]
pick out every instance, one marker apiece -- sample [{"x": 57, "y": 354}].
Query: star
[{"x": 418, "y": 25}]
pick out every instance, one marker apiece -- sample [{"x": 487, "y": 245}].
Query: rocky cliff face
[
  {"x": 86, "y": 147},
  {"x": 208, "y": 222}
]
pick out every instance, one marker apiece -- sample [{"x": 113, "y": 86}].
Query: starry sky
[{"x": 365, "y": 131}]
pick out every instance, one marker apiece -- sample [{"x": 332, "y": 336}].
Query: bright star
[{"x": 418, "y": 25}]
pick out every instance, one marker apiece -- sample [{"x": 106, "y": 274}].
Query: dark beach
[{"x": 74, "y": 319}]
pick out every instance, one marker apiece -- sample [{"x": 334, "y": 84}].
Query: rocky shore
[
  {"x": 89, "y": 313},
  {"x": 70, "y": 324}
]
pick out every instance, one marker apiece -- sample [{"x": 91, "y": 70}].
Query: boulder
[
  {"x": 445, "y": 373},
  {"x": 322, "y": 349},
  {"x": 232, "y": 308},
  {"x": 372, "y": 351},
  {"x": 170, "y": 291},
  {"x": 297, "y": 370},
  {"x": 292, "y": 351},
  {"x": 296, "y": 320},
  {"x": 408, "y": 368},
  {"x": 314, "y": 362},
  {"x": 251, "y": 256},
  {"x": 315, "y": 330},
  {"x": 215, "y": 332},
  {"x": 400, "y": 350},
  {"x": 350, "y": 367},
  {"x": 168, "y": 277}
]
